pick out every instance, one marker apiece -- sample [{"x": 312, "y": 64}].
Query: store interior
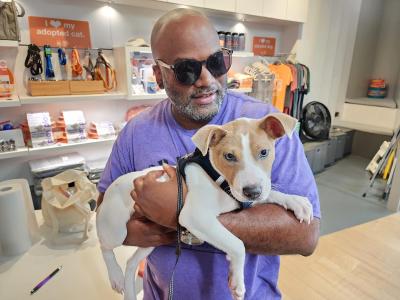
[{"x": 344, "y": 45}]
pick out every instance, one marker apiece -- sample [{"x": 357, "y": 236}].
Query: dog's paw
[
  {"x": 301, "y": 208},
  {"x": 236, "y": 285},
  {"x": 117, "y": 280}
]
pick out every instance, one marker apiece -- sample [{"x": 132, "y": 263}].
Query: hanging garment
[{"x": 284, "y": 76}]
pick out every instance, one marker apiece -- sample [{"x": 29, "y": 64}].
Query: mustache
[{"x": 206, "y": 90}]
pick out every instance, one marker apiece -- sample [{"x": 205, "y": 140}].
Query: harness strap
[
  {"x": 33, "y": 60},
  {"x": 62, "y": 58},
  {"x": 178, "y": 231},
  {"x": 90, "y": 73}
]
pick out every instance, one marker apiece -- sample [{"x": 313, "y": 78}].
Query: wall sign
[
  {"x": 59, "y": 32},
  {"x": 264, "y": 46}
]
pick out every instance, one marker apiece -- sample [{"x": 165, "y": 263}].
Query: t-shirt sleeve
[
  {"x": 291, "y": 172},
  {"x": 120, "y": 161}
]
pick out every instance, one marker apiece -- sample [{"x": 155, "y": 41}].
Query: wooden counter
[{"x": 361, "y": 262}]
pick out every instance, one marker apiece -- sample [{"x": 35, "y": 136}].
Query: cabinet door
[
  {"x": 198, "y": 3},
  {"x": 275, "y": 9},
  {"x": 250, "y": 7},
  {"x": 297, "y": 10},
  {"x": 225, "y": 5}
]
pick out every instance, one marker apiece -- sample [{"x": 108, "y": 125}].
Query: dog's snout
[{"x": 252, "y": 191}]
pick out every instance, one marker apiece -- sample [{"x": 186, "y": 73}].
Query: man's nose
[{"x": 205, "y": 79}]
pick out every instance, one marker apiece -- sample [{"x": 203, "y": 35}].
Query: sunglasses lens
[
  {"x": 188, "y": 71},
  {"x": 219, "y": 63}
]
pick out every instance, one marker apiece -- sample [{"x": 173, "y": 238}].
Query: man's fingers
[
  {"x": 138, "y": 183},
  {"x": 171, "y": 172},
  {"x": 138, "y": 210},
  {"x": 153, "y": 175}
]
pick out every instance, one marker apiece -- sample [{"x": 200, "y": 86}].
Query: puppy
[{"x": 242, "y": 152}]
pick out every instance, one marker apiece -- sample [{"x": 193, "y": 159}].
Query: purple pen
[{"x": 43, "y": 282}]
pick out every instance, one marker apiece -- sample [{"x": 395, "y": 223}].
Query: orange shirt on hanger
[{"x": 283, "y": 75}]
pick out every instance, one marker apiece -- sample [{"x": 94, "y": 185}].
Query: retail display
[
  {"x": 234, "y": 41},
  {"x": 103, "y": 130},
  {"x": 377, "y": 88},
  {"x": 9, "y": 13},
  {"x": 49, "y": 65},
  {"x": 33, "y": 60},
  {"x": 6, "y": 80},
  {"x": 65, "y": 204},
  {"x": 103, "y": 65},
  {"x": 37, "y": 130}
]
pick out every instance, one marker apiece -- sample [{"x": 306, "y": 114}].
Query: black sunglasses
[{"x": 187, "y": 71}]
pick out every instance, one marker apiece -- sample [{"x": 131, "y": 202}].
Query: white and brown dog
[{"x": 242, "y": 151}]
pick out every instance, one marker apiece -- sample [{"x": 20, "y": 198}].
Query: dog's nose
[{"x": 252, "y": 191}]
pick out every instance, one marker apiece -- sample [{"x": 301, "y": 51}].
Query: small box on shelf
[{"x": 48, "y": 88}]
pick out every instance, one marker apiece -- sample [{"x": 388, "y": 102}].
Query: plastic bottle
[
  {"x": 221, "y": 36},
  {"x": 242, "y": 42},
  {"x": 228, "y": 40}
]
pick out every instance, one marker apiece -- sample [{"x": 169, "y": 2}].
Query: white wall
[
  {"x": 326, "y": 46},
  {"x": 365, "y": 48},
  {"x": 387, "y": 61}
]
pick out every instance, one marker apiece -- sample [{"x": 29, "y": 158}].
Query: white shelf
[
  {"x": 157, "y": 96},
  {"x": 242, "y": 90},
  {"x": 71, "y": 145},
  {"x": 364, "y": 127},
  {"x": 242, "y": 54},
  {"x": 10, "y": 154},
  {"x": 139, "y": 49},
  {"x": 8, "y": 43},
  {"x": 9, "y": 102},
  {"x": 42, "y": 150},
  {"x": 69, "y": 98}
]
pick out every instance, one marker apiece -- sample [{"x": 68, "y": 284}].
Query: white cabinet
[
  {"x": 275, "y": 9},
  {"x": 297, "y": 10},
  {"x": 225, "y": 5},
  {"x": 250, "y": 7},
  {"x": 198, "y": 3}
]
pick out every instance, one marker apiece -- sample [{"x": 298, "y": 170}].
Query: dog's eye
[
  {"x": 264, "y": 153},
  {"x": 230, "y": 157}
]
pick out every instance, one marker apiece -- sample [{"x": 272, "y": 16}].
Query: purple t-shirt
[{"x": 202, "y": 271}]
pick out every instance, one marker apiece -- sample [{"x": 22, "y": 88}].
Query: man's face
[{"x": 201, "y": 101}]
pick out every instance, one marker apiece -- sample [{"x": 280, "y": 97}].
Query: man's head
[{"x": 187, "y": 34}]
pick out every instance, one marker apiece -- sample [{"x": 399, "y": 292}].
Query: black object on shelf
[{"x": 315, "y": 122}]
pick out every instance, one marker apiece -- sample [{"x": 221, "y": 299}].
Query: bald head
[{"x": 180, "y": 26}]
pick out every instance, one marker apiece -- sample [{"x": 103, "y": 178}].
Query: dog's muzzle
[{"x": 252, "y": 192}]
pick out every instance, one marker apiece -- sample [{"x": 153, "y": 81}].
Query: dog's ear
[
  {"x": 278, "y": 124},
  {"x": 208, "y": 136}
]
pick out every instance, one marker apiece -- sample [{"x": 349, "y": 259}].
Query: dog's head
[{"x": 243, "y": 152}]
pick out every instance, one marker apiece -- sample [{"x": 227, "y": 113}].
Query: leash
[
  {"x": 49, "y": 66},
  {"x": 178, "y": 231},
  {"x": 75, "y": 63},
  {"x": 33, "y": 60},
  {"x": 110, "y": 81},
  {"x": 62, "y": 60},
  {"x": 90, "y": 73}
]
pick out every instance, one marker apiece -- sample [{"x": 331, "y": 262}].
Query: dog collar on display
[
  {"x": 33, "y": 60},
  {"x": 90, "y": 71},
  {"x": 62, "y": 58}
]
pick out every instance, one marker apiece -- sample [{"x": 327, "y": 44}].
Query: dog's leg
[
  {"x": 130, "y": 271},
  {"x": 301, "y": 206},
  {"x": 115, "y": 274}
]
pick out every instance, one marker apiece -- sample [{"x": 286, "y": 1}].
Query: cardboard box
[
  {"x": 80, "y": 87},
  {"x": 48, "y": 88}
]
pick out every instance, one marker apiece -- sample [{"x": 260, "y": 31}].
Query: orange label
[
  {"x": 59, "y": 32},
  {"x": 264, "y": 46}
]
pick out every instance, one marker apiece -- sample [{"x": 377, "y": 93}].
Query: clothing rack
[{"x": 71, "y": 48}]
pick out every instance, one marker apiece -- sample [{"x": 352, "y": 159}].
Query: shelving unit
[
  {"x": 25, "y": 151},
  {"x": 69, "y": 98},
  {"x": 8, "y": 43},
  {"x": 242, "y": 54},
  {"x": 10, "y": 102}
]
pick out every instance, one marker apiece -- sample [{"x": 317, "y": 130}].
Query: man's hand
[
  {"x": 156, "y": 200},
  {"x": 145, "y": 233}
]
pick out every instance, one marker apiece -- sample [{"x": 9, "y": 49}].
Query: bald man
[{"x": 191, "y": 67}]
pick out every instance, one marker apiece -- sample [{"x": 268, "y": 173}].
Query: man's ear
[
  {"x": 278, "y": 124},
  {"x": 208, "y": 136},
  {"x": 158, "y": 75}
]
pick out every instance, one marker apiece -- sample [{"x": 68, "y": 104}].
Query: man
[{"x": 197, "y": 96}]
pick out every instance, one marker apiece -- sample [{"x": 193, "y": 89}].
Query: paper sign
[
  {"x": 264, "y": 46},
  {"x": 40, "y": 129},
  {"x": 59, "y": 32}
]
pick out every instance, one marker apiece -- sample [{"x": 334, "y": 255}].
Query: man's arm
[
  {"x": 264, "y": 229},
  {"x": 271, "y": 229}
]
